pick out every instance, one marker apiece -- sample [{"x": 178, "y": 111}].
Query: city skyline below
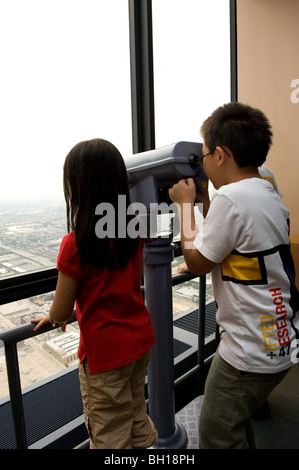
[{"x": 30, "y": 236}]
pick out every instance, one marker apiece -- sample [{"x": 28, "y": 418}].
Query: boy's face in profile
[{"x": 210, "y": 165}]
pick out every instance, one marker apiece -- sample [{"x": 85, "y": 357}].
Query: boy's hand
[
  {"x": 183, "y": 191},
  {"x": 182, "y": 268}
]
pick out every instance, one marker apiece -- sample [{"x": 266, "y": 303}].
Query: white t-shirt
[{"x": 246, "y": 233}]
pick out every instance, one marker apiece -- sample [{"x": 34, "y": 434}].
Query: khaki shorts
[{"x": 115, "y": 408}]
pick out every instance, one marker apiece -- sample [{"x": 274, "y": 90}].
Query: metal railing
[{"x": 13, "y": 336}]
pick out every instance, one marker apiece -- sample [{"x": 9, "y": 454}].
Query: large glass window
[
  {"x": 65, "y": 77},
  {"x": 191, "y": 65},
  {"x": 191, "y": 41}
]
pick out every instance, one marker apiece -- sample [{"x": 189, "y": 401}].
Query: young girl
[{"x": 102, "y": 276}]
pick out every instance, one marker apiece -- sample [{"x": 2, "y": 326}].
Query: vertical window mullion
[{"x": 142, "y": 81}]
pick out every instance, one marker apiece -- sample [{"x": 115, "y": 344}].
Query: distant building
[
  {"x": 64, "y": 347},
  {"x": 188, "y": 292},
  {"x": 13, "y": 308}
]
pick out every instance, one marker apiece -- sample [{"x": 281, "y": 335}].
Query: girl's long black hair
[{"x": 94, "y": 173}]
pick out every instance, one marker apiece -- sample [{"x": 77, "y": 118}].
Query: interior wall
[{"x": 268, "y": 78}]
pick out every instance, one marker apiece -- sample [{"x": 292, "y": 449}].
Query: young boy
[{"x": 244, "y": 240}]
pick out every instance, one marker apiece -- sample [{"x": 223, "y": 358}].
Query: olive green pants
[{"x": 230, "y": 398}]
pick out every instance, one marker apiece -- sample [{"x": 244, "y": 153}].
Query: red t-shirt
[{"x": 115, "y": 326}]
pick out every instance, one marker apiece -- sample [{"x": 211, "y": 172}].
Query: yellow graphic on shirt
[
  {"x": 244, "y": 269},
  {"x": 270, "y": 179}
]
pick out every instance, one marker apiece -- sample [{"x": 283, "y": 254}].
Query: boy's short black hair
[{"x": 246, "y": 131}]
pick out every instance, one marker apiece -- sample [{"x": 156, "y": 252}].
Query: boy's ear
[{"x": 221, "y": 155}]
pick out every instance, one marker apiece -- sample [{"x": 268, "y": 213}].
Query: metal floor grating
[
  {"x": 189, "y": 322},
  {"x": 179, "y": 347},
  {"x": 189, "y": 417},
  {"x": 46, "y": 408}
]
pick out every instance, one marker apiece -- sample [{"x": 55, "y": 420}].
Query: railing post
[
  {"x": 15, "y": 390},
  {"x": 201, "y": 319}
]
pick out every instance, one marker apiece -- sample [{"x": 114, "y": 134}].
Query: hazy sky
[{"x": 65, "y": 77}]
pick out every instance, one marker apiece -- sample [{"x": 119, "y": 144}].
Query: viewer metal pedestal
[{"x": 158, "y": 298}]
